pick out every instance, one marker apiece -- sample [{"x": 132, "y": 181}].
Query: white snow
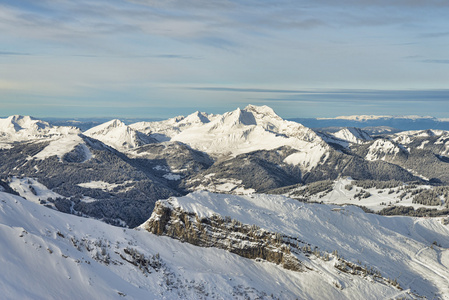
[
  {"x": 222, "y": 185},
  {"x": 381, "y": 148},
  {"x": 240, "y": 131},
  {"x": 164, "y": 130},
  {"x": 24, "y": 128},
  {"x": 118, "y": 135},
  {"x": 102, "y": 185},
  {"x": 49, "y": 255},
  {"x": 64, "y": 145},
  {"x": 399, "y": 247},
  {"x": 352, "y": 135},
  {"x": 171, "y": 176},
  {"x": 25, "y": 186},
  {"x": 379, "y": 199},
  {"x": 253, "y": 128}
]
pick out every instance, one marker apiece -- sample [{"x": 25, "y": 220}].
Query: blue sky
[{"x": 145, "y": 58}]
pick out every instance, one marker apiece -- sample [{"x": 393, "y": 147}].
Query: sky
[{"x": 159, "y": 59}]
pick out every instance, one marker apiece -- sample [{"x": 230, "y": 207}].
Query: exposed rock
[{"x": 248, "y": 241}]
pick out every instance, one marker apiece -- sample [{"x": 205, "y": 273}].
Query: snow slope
[
  {"x": 49, "y": 255},
  {"x": 118, "y": 135},
  {"x": 378, "y": 198},
  {"x": 353, "y": 135},
  {"x": 399, "y": 247},
  {"x": 251, "y": 129},
  {"x": 24, "y": 128},
  {"x": 164, "y": 130},
  {"x": 65, "y": 144},
  {"x": 380, "y": 149}
]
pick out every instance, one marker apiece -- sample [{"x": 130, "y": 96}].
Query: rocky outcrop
[{"x": 248, "y": 241}]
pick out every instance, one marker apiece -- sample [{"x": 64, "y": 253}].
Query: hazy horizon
[{"x": 145, "y": 58}]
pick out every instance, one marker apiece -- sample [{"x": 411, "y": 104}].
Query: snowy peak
[
  {"x": 262, "y": 111},
  {"x": 353, "y": 135},
  {"x": 16, "y": 123},
  {"x": 196, "y": 118},
  {"x": 251, "y": 129},
  {"x": 118, "y": 135},
  {"x": 24, "y": 128},
  {"x": 106, "y": 127},
  {"x": 237, "y": 117},
  {"x": 384, "y": 149},
  {"x": 163, "y": 131}
]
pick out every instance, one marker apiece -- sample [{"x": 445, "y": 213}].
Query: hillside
[{"x": 88, "y": 258}]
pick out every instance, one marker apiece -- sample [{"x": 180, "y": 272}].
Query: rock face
[{"x": 248, "y": 241}]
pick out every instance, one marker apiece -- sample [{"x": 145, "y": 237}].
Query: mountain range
[
  {"x": 116, "y": 172},
  {"x": 215, "y": 173}
]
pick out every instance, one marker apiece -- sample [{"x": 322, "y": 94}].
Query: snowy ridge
[
  {"x": 83, "y": 259},
  {"x": 254, "y": 128},
  {"x": 399, "y": 247},
  {"x": 353, "y": 135},
  {"x": 165, "y": 130},
  {"x": 240, "y": 131},
  {"x": 118, "y": 135},
  {"x": 61, "y": 146},
  {"x": 407, "y": 137},
  {"x": 25, "y": 128},
  {"x": 382, "y": 149}
]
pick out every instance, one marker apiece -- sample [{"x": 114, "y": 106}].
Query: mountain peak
[
  {"x": 197, "y": 117},
  {"x": 238, "y": 117},
  {"x": 115, "y": 123},
  {"x": 19, "y": 122},
  {"x": 353, "y": 135},
  {"x": 263, "y": 110}
]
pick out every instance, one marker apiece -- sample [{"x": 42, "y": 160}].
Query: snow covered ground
[
  {"x": 403, "y": 248},
  {"x": 49, "y": 255},
  {"x": 378, "y": 199}
]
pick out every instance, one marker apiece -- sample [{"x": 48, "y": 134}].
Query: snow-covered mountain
[
  {"x": 381, "y": 149},
  {"x": 343, "y": 253},
  {"x": 241, "y": 131},
  {"x": 118, "y": 135},
  {"x": 25, "y": 128},
  {"x": 116, "y": 172},
  {"x": 244, "y": 247},
  {"x": 353, "y": 135},
  {"x": 253, "y": 128},
  {"x": 167, "y": 129},
  {"x": 398, "y": 248}
]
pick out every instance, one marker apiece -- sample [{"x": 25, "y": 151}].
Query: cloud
[
  {"x": 434, "y": 34},
  {"x": 13, "y": 53},
  {"x": 244, "y": 90},
  {"x": 436, "y": 61},
  {"x": 335, "y": 95}
]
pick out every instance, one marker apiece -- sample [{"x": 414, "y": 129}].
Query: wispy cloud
[
  {"x": 13, "y": 53},
  {"x": 434, "y": 34},
  {"x": 436, "y": 61},
  {"x": 353, "y": 95}
]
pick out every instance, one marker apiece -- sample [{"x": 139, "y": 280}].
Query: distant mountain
[
  {"x": 24, "y": 128},
  {"x": 353, "y": 135},
  {"x": 398, "y": 122},
  {"x": 116, "y": 172},
  {"x": 119, "y": 136}
]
